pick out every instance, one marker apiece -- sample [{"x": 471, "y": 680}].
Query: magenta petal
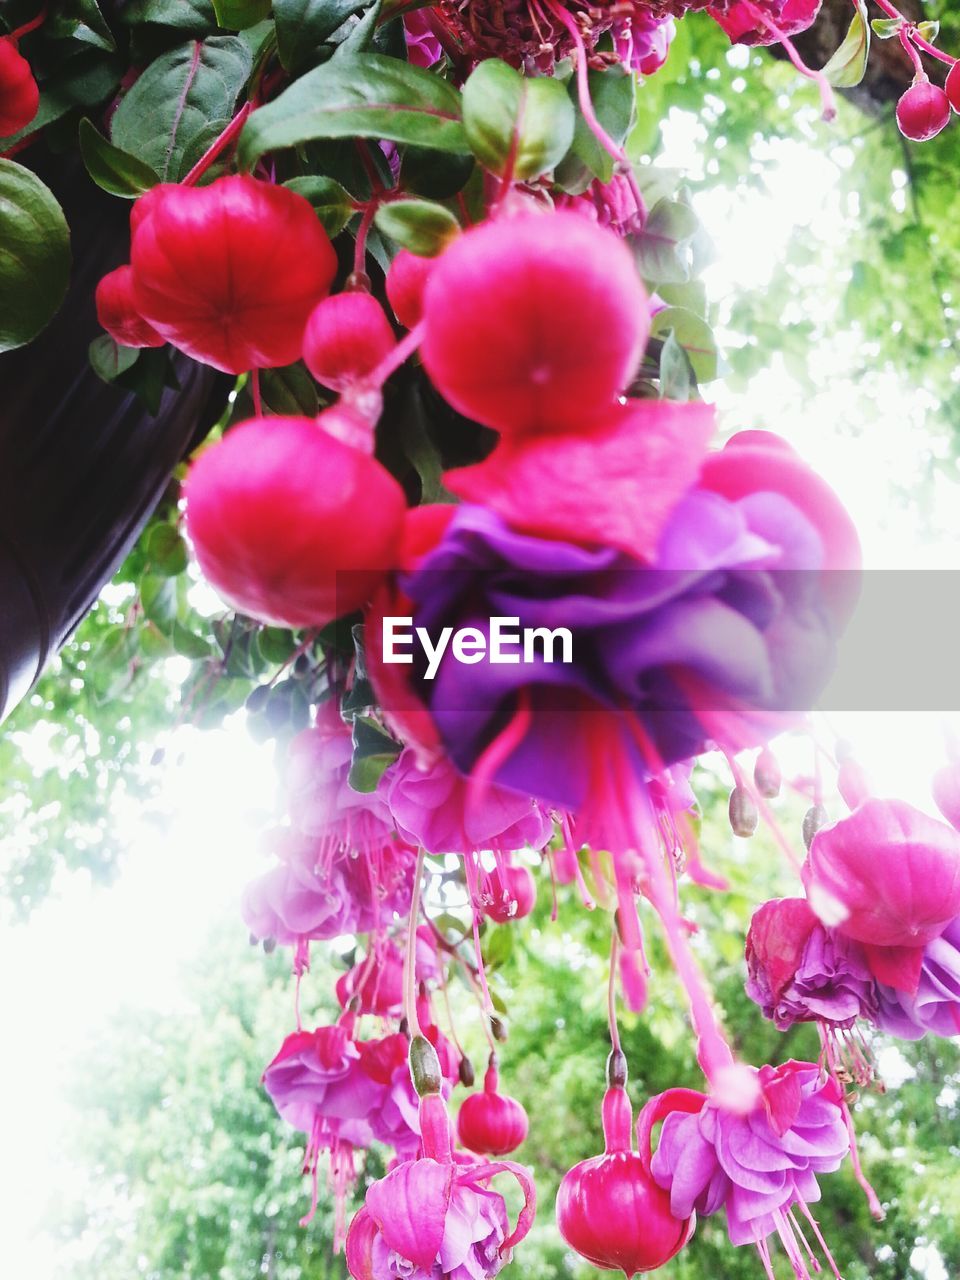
[
  {"x": 410, "y": 1208},
  {"x": 359, "y": 1246}
]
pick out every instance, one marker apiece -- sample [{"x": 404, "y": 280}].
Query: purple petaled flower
[
  {"x": 431, "y": 806},
  {"x": 305, "y": 898},
  {"x": 936, "y": 1005},
  {"x": 832, "y": 983},
  {"x": 318, "y": 1085},
  {"x": 756, "y": 1166},
  {"x": 473, "y": 1231},
  {"x": 730, "y": 616}
]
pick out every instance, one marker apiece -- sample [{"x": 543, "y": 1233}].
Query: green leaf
[
  {"x": 331, "y": 202},
  {"x": 928, "y": 31},
  {"x": 886, "y": 28},
  {"x": 613, "y": 94},
  {"x": 238, "y": 15},
  {"x": 188, "y": 644},
  {"x": 373, "y": 753},
  {"x": 848, "y": 65},
  {"x": 196, "y": 16},
  {"x": 662, "y": 249},
  {"x": 304, "y": 25},
  {"x": 694, "y": 335},
  {"x": 289, "y": 390},
  {"x": 360, "y": 95},
  {"x": 423, "y": 227},
  {"x": 108, "y": 359},
  {"x": 34, "y": 255},
  {"x": 111, "y": 168},
  {"x": 181, "y": 95},
  {"x": 158, "y": 598},
  {"x": 516, "y": 124},
  {"x": 676, "y": 375},
  {"x": 81, "y": 20},
  {"x": 435, "y": 176},
  {"x": 357, "y": 36},
  {"x": 166, "y": 551},
  {"x": 276, "y": 644}
]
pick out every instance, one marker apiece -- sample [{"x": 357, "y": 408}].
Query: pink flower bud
[
  {"x": 609, "y": 1208},
  {"x": 345, "y": 339},
  {"x": 289, "y": 525},
  {"x": 491, "y": 1123},
  {"x": 535, "y": 323},
  {"x": 766, "y": 774},
  {"x": 119, "y": 316},
  {"x": 952, "y": 86},
  {"x": 406, "y": 281},
  {"x": 19, "y": 93},
  {"x": 923, "y": 111}
]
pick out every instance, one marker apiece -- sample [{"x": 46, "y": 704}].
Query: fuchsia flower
[
  {"x": 758, "y": 1166},
  {"x": 304, "y": 898},
  {"x": 435, "y": 1217},
  {"x": 802, "y": 972},
  {"x": 935, "y": 1005},
  {"x": 887, "y": 876},
  {"x": 377, "y": 979},
  {"x": 423, "y": 47},
  {"x": 432, "y": 807},
  {"x": 643, "y": 41}
]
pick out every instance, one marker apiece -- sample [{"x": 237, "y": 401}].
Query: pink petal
[
  {"x": 410, "y": 1208},
  {"x": 614, "y": 488}
]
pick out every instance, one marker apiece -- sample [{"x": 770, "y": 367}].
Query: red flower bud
[
  {"x": 230, "y": 272},
  {"x": 610, "y": 1210},
  {"x": 535, "y": 323},
  {"x": 19, "y": 95},
  {"x": 118, "y": 315},
  {"x": 345, "y": 339},
  {"x": 290, "y": 525},
  {"x": 406, "y": 281},
  {"x": 923, "y": 111},
  {"x": 490, "y": 1123},
  {"x": 514, "y": 894},
  {"x": 952, "y": 86}
]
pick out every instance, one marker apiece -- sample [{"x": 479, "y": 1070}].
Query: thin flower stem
[
  {"x": 255, "y": 392},
  {"x": 932, "y": 50},
  {"x": 27, "y": 27},
  {"x": 400, "y": 353},
  {"x": 612, "y": 993},
  {"x": 410, "y": 959},
  {"x": 912, "y": 54},
  {"x": 360, "y": 245},
  {"x": 616, "y": 153}
]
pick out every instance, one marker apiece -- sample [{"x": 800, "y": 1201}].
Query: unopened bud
[
  {"x": 269, "y": 946},
  {"x": 466, "y": 1072},
  {"x": 744, "y": 817},
  {"x": 813, "y": 820},
  {"x": 617, "y": 1069},
  {"x": 497, "y": 1029},
  {"x": 766, "y": 774},
  {"x": 424, "y": 1067}
]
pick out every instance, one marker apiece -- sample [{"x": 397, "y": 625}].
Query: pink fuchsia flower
[
  {"x": 432, "y": 807},
  {"x": 757, "y": 1166},
  {"x": 887, "y": 876},
  {"x": 376, "y": 981},
  {"x": 643, "y": 41},
  {"x": 610, "y": 1209},
  {"x": 765, "y": 22},
  {"x": 630, "y": 477},
  {"x": 319, "y": 797},
  {"x": 423, "y": 47},
  {"x": 311, "y": 895},
  {"x": 435, "y": 1216},
  {"x": 318, "y": 1086},
  {"x": 801, "y": 972},
  {"x": 935, "y": 1006}
]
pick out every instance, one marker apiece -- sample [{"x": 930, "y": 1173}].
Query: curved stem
[
  {"x": 410, "y": 958},
  {"x": 27, "y": 27},
  {"x": 912, "y": 54},
  {"x": 398, "y": 356},
  {"x": 218, "y": 146},
  {"x": 616, "y": 153},
  {"x": 360, "y": 245}
]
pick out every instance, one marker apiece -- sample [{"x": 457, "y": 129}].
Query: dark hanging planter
[{"x": 82, "y": 463}]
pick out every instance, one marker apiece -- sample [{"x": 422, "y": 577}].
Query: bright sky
[{"x": 88, "y": 952}]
